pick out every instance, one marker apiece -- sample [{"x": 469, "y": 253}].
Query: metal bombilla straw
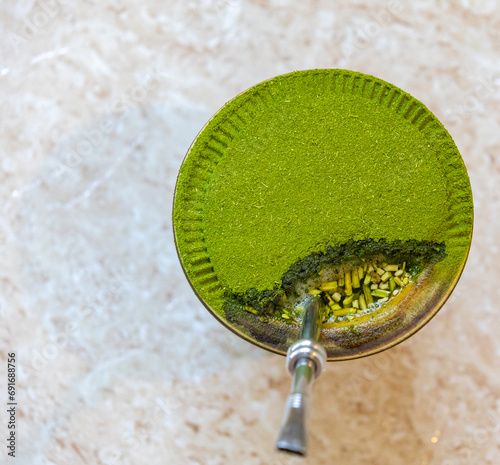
[{"x": 305, "y": 361}]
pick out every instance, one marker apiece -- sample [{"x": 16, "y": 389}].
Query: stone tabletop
[{"x": 117, "y": 361}]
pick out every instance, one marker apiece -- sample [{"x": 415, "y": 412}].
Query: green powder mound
[{"x": 309, "y": 161}]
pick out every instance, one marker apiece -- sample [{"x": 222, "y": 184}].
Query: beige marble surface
[{"x": 118, "y": 363}]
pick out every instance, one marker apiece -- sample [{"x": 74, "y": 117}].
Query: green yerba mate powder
[{"x": 314, "y": 168}]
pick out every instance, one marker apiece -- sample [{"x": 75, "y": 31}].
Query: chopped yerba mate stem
[{"x": 348, "y": 299}]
